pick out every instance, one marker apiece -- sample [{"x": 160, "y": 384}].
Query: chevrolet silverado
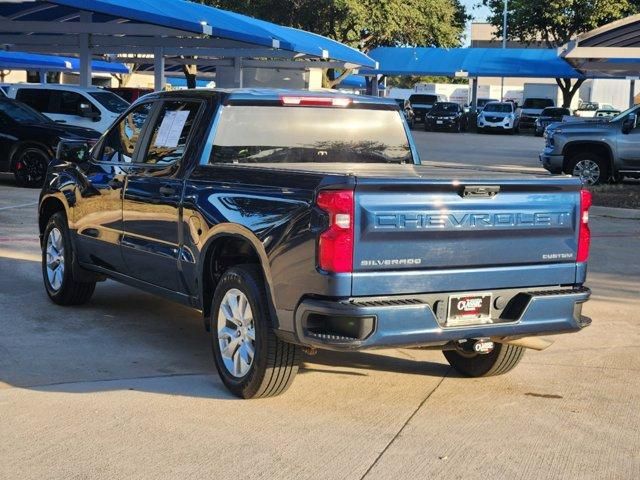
[{"x": 297, "y": 221}]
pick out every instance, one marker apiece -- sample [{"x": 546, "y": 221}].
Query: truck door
[
  {"x": 629, "y": 149},
  {"x": 151, "y": 208},
  {"x": 97, "y": 211}
]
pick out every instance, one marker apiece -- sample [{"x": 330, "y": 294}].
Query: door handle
[
  {"x": 115, "y": 183},
  {"x": 167, "y": 191}
]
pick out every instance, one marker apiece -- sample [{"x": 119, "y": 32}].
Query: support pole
[
  {"x": 474, "y": 94},
  {"x": 632, "y": 92},
  {"x": 374, "y": 87},
  {"x": 43, "y": 76},
  {"x": 505, "y": 13},
  {"x": 238, "y": 72},
  {"x": 158, "y": 69},
  {"x": 85, "y": 53}
]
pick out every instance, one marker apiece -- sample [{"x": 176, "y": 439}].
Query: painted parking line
[
  {"x": 19, "y": 239},
  {"x": 20, "y": 206}
]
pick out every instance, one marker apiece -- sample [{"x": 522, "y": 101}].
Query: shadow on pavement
[
  {"x": 372, "y": 361},
  {"x": 127, "y": 339}
]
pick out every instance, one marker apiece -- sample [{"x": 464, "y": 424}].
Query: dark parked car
[
  {"x": 28, "y": 141},
  {"x": 549, "y": 115},
  {"x": 421, "y": 103},
  {"x": 446, "y": 116},
  {"x": 295, "y": 220}
]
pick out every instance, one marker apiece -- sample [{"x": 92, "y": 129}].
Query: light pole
[{"x": 504, "y": 42}]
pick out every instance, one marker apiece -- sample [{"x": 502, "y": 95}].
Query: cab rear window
[{"x": 272, "y": 134}]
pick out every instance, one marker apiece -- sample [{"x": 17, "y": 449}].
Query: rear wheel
[
  {"x": 30, "y": 167},
  {"x": 591, "y": 168},
  {"x": 502, "y": 359},
  {"x": 251, "y": 360},
  {"x": 57, "y": 261}
]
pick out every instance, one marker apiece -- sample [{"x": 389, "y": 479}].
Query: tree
[
  {"x": 363, "y": 24},
  {"x": 553, "y": 23}
]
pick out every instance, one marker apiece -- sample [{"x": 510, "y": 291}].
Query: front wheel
[
  {"x": 251, "y": 360},
  {"x": 589, "y": 167},
  {"x": 502, "y": 359},
  {"x": 57, "y": 269},
  {"x": 30, "y": 167}
]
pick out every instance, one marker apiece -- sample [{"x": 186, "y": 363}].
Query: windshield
[
  {"x": 423, "y": 99},
  {"x": 21, "y": 113},
  {"x": 537, "y": 103},
  {"x": 498, "y": 107},
  {"x": 555, "y": 112},
  {"x": 483, "y": 101},
  {"x": 445, "y": 108},
  {"x": 110, "y": 101},
  {"x": 620, "y": 116},
  {"x": 250, "y": 134}
]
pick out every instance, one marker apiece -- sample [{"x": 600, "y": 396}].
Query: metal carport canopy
[
  {"x": 612, "y": 50},
  {"x": 53, "y": 63},
  {"x": 474, "y": 62},
  {"x": 164, "y": 28}
]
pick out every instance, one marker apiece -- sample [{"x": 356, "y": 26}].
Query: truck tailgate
[{"x": 404, "y": 227}]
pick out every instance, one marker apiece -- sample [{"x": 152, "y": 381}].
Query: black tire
[
  {"x": 502, "y": 359},
  {"x": 70, "y": 291},
  {"x": 30, "y": 167},
  {"x": 275, "y": 363},
  {"x": 583, "y": 157}
]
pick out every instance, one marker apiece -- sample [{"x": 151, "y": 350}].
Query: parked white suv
[{"x": 92, "y": 107}]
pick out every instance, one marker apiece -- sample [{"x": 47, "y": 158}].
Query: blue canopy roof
[
  {"x": 190, "y": 17},
  {"x": 51, "y": 63},
  {"x": 477, "y": 62}
]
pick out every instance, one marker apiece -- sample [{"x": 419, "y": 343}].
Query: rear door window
[
  {"x": 170, "y": 133},
  {"x": 35, "y": 98}
]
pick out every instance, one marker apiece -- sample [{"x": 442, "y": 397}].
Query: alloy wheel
[
  {"x": 588, "y": 171},
  {"x": 31, "y": 167},
  {"x": 236, "y": 333},
  {"x": 55, "y": 259}
]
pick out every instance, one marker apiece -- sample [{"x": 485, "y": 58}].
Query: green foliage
[
  {"x": 408, "y": 81},
  {"x": 364, "y": 24},
  {"x": 555, "y": 22}
]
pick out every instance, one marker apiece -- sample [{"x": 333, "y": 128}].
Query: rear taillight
[
  {"x": 335, "y": 249},
  {"x": 584, "y": 234}
]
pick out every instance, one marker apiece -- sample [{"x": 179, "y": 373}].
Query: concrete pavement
[{"x": 124, "y": 387}]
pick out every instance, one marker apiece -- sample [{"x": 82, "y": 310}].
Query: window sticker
[{"x": 170, "y": 130}]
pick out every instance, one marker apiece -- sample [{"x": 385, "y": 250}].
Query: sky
[{"x": 478, "y": 14}]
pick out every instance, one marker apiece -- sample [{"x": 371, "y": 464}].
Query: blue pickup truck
[{"x": 301, "y": 221}]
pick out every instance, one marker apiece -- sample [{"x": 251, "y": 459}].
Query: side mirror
[
  {"x": 87, "y": 112},
  {"x": 72, "y": 151},
  {"x": 629, "y": 123}
]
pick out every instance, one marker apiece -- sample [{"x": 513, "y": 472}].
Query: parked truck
[
  {"x": 298, "y": 220},
  {"x": 595, "y": 151}
]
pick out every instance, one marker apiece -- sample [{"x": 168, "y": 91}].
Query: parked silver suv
[{"x": 595, "y": 151}]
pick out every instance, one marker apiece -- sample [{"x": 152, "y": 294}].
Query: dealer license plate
[{"x": 469, "y": 309}]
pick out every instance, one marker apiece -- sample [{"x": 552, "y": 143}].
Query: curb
[{"x": 624, "y": 213}]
